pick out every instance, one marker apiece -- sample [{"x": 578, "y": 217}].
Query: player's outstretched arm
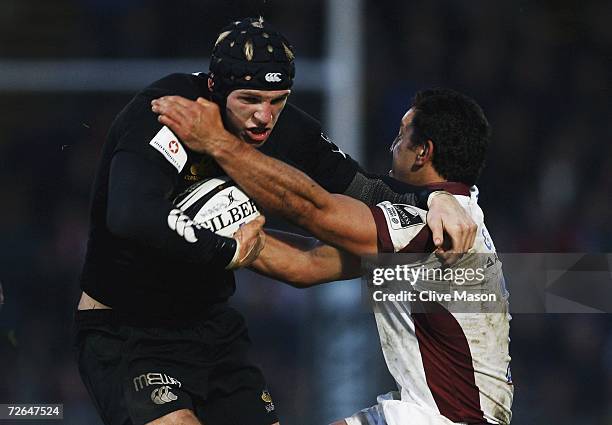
[
  {"x": 303, "y": 262},
  {"x": 277, "y": 187},
  {"x": 283, "y": 189}
]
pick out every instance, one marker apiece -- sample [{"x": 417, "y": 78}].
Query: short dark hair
[{"x": 457, "y": 127}]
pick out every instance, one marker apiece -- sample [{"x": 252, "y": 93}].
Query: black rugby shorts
[{"x": 135, "y": 375}]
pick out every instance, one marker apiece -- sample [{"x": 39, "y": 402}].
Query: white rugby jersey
[{"x": 455, "y": 363}]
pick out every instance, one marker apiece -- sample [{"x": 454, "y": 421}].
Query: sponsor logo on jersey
[
  {"x": 273, "y": 77},
  {"x": 166, "y": 143},
  {"x": 207, "y": 167},
  {"x": 267, "y": 398},
  {"x": 194, "y": 174},
  {"x": 147, "y": 379},
  {"x": 401, "y": 216},
  {"x": 163, "y": 395},
  {"x": 407, "y": 215}
]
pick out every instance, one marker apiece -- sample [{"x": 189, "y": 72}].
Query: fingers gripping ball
[{"x": 216, "y": 204}]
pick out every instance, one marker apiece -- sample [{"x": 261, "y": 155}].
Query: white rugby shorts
[{"x": 389, "y": 411}]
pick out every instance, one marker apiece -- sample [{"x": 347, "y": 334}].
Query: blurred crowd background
[{"x": 540, "y": 69}]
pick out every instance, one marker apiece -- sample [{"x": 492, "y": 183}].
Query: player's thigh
[
  {"x": 102, "y": 373},
  {"x": 238, "y": 392},
  {"x": 127, "y": 391},
  {"x": 178, "y": 417}
]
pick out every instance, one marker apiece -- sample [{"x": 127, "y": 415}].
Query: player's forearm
[
  {"x": 303, "y": 262},
  {"x": 275, "y": 186},
  {"x": 284, "y": 261}
]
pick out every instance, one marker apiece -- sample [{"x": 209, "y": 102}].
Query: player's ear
[
  {"x": 425, "y": 154},
  {"x": 211, "y": 84},
  {"x": 429, "y": 150}
]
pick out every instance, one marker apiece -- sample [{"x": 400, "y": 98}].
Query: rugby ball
[{"x": 217, "y": 204}]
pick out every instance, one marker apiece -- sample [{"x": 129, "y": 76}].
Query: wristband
[
  {"x": 226, "y": 249},
  {"x": 432, "y": 195},
  {"x": 236, "y": 257}
]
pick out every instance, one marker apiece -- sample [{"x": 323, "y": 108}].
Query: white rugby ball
[{"x": 217, "y": 204}]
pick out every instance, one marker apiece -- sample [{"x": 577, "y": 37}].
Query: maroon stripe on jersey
[
  {"x": 421, "y": 243},
  {"x": 385, "y": 244},
  {"x": 447, "y": 361},
  {"x": 454, "y": 188}
]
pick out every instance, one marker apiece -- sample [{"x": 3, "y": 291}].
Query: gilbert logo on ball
[{"x": 218, "y": 205}]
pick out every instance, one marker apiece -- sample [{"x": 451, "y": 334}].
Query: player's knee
[
  {"x": 342, "y": 422},
  {"x": 178, "y": 417}
]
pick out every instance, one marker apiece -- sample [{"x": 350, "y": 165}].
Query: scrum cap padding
[{"x": 251, "y": 54}]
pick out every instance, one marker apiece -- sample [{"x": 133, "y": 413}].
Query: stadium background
[{"x": 540, "y": 69}]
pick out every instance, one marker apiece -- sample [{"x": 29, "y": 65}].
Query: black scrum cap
[{"x": 249, "y": 54}]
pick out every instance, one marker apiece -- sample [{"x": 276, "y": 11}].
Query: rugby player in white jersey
[{"x": 449, "y": 366}]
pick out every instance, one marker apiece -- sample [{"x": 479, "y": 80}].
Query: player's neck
[{"x": 423, "y": 177}]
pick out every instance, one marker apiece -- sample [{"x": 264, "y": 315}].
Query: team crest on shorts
[
  {"x": 163, "y": 395},
  {"x": 267, "y": 398}
]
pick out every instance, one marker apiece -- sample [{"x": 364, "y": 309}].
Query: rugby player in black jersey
[{"x": 156, "y": 341}]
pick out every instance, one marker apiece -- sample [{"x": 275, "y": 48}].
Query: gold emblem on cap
[{"x": 265, "y": 396}]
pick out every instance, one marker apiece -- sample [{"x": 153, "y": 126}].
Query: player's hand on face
[
  {"x": 453, "y": 230},
  {"x": 198, "y": 124},
  {"x": 251, "y": 240}
]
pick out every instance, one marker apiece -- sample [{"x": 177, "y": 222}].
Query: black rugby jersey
[{"x": 134, "y": 262}]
